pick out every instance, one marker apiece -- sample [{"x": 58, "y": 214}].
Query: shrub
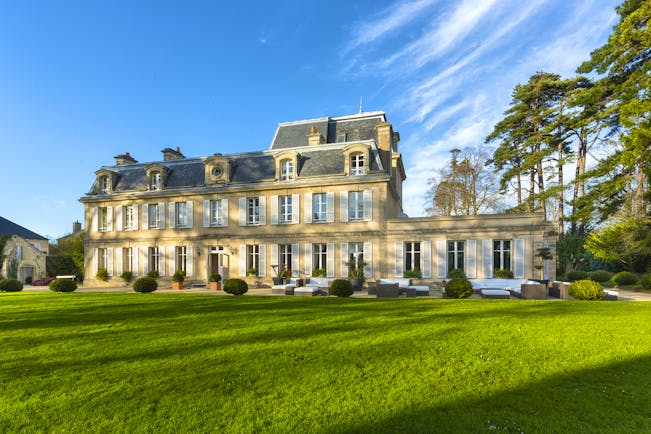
[
  {"x": 215, "y": 277},
  {"x": 43, "y": 282},
  {"x": 252, "y": 272},
  {"x": 456, "y": 273},
  {"x": 625, "y": 278},
  {"x": 319, "y": 272},
  {"x": 178, "y": 276},
  {"x": 458, "y": 288},
  {"x": 646, "y": 281},
  {"x": 63, "y": 285},
  {"x": 575, "y": 275},
  {"x": 28, "y": 280},
  {"x": 414, "y": 273},
  {"x": 154, "y": 274},
  {"x": 11, "y": 285},
  {"x": 102, "y": 274},
  {"x": 502, "y": 273},
  {"x": 145, "y": 284},
  {"x": 600, "y": 276},
  {"x": 586, "y": 290},
  {"x": 341, "y": 288},
  {"x": 236, "y": 286},
  {"x": 127, "y": 276}
]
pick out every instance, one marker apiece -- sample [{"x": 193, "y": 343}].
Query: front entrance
[
  {"x": 26, "y": 274},
  {"x": 218, "y": 262}
]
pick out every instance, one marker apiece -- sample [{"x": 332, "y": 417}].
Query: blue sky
[{"x": 83, "y": 81}]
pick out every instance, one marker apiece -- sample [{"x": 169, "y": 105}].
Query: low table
[
  {"x": 495, "y": 293},
  {"x": 309, "y": 291}
]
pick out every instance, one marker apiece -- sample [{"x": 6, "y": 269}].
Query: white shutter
[
  {"x": 368, "y": 258},
  {"x": 343, "y": 251},
  {"x": 223, "y": 212},
  {"x": 190, "y": 205},
  {"x": 189, "y": 265},
  {"x": 296, "y": 260},
  {"x": 243, "y": 216},
  {"x": 262, "y": 261},
  {"x": 95, "y": 261},
  {"x": 487, "y": 258},
  {"x": 518, "y": 258},
  {"x": 471, "y": 259},
  {"x": 135, "y": 217},
  {"x": 308, "y": 259},
  {"x": 135, "y": 261},
  {"x": 109, "y": 218},
  {"x": 161, "y": 215},
  {"x": 118, "y": 218},
  {"x": 368, "y": 205},
  {"x": 263, "y": 210},
  {"x": 330, "y": 196},
  {"x": 172, "y": 211},
  {"x": 172, "y": 259},
  {"x": 242, "y": 258},
  {"x": 145, "y": 217},
  {"x": 145, "y": 260},
  {"x": 162, "y": 261},
  {"x": 307, "y": 212},
  {"x": 274, "y": 210},
  {"x": 399, "y": 258},
  {"x": 296, "y": 208},
  {"x": 109, "y": 261},
  {"x": 343, "y": 206},
  {"x": 93, "y": 219},
  {"x": 274, "y": 257},
  {"x": 426, "y": 267},
  {"x": 118, "y": 261},
  {"x": 441, "y": 259},
  {"x": 206, "y": 213},
  {"x": 330, "y": 260}
]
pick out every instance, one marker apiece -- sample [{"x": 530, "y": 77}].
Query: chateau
[{"x": 326, "y": 195}]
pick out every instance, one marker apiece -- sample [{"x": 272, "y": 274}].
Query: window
[
  {"x": 412, "y": 255},
  {"x": 357, "y": 164},
  {"x": 501, "y": 254},
  {"x": 355, "y": 205},
  {"x": 102, "y": 259},
  {"x": 154, "y": 257},
  {"x": 154, "y": 181},
  {"x": 285, "y": 256},
  {"x": 286, "y": 170},
  {"x": 103, "y": 219},
  {"x": 320, "y": 256},
  {"x": 253, "y": 211},
  {"x": 341, "y": 137},
  {"x": 285, "y": 209},
  {"x": 355, "y": 256},
  {"x": 128, "y": 214},
  {"x": 217, "y": 212},
  {"x": 455, "y": 255},
  {"x": 19, "y": 253},
  {"x": 127, "y": 259},
  {"x": 253, "y": 257},
  {"x": 154, "y": 216},
  {"x": 319, "y": 207},
  {"x": 182, "y": 215},
  {"x": 104, "y": 184},
  {"x": 181, "y": 257}
]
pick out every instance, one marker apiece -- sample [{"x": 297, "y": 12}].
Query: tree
[
  {"x": 467, "y": 186},
  {"x": 627, "y": 242},
  {"x": 72, "y": 247}
]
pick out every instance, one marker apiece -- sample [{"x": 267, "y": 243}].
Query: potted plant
[
  {"x": 127, "y": 275},
  {"x": 177, "y": 279},
  {"x": 215, "y": 282},
  {"x": 252, "y": 272},
  {"x": 357, "y": 278},
  {"x": 319, "y": 272},
  {"x": 286, "y": 275},
  {"x": 277, "y": 279}
]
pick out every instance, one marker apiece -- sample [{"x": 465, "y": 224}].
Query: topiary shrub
[
  {"x": 215, "y": 277},
  {"x": 319, "y": 272},
  {"x": 154, "y": 274},
  {"x": 102, "y": 274},
  {"x": 127, "y": 276},
  {"x": 62, "y": 285},
  {"x": 600, "y": 276},
  {"x": 236, "y": 286},
  {"x": 575, "y": 275},
  {"x": 645, "y": 281},
  {"x": 456, "y": 273},
  {"x": 145, "y": 284},
  {"x": 11, "y": 285},
  {"x": 178, "y": 276},
  {"x": 341, "y": 288},
  {"x": 413, "y": 273},
  {"x": 586, "y": 290},
  {"x": 625, "y": 278},
  {"x": 458, "y": 288},
  {"x": 502, "y": 273}
]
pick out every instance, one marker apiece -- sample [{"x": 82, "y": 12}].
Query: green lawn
[{"x": 194, "y": 363}]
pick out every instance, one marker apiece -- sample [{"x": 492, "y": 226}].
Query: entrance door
[{"x": 218, "y": 262}]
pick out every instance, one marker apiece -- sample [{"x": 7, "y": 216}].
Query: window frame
[
  {"x": 155, "y": 178},
  {"x": 285, "y": 257},
  {"x": 102, "y": 219},
  {"x": 128, "y": 216},
  {"x": 319, "y": 207},
  {"x": 502, "y": 255},
  {"x": 253, "y": 210},
  {"x": 357, "y": 163},
  {"x": 153, "y": 256},
  {"x": 456, "y": 255},
  {"x": 154, "y": 220},
  {"x": 181, "y": 215},
  {"x": 285, "y": 209},
  {"x": 413, "y": 255},
  {"x": 253, "y": 256},
  {"x": 320, "y": 256},
  {"x": 181, "y": 258},
  {"x": 216, "y": 213},
  {"x": 104, "y": 184},
  {"x": 287, "y": 169},
  {"x": 355, "y": 256},
  {"x": 127, "y": 259},
  {"x": 356, "y": 211}
]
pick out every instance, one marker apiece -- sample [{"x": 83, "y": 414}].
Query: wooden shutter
[
  {"x": 262, "y": 261},
  {"x": 242, "y": 257},
  {"x": 518, "y": 258},
  {"x": 134, "y": 265},
  {"x": 172, "y": 259},
  {"x": 109, "y": 218},
  {"x": 161, "y": 215},
  {"x": 368, "y": 258},
  {"x": 273, "y": 261},
  {"x": 470, "y": 256},
  {"x": 118, "y": 219},
  {"x": 93, "y": 220},
  {"x": 94, "y": 260},
  {"x": 441, "y": 259},
  {"x": 189, "y": 265},
  {"x": 487, "y": 258},
  {"x": 343, "y": 206},
  {"x": 145, "y": 260},
  {"x": 263, "y": 210},
  {"x": 109, "y": 261},
  {"x": 223, "y": 212},
  {"x": 296, "y": 260},
  {"x": 145, "y": 217},
  {"x": 296, "y": 208},
  {"x": 118, "y": 261},
  {"x": 330, "y": 259},
  {"x": 307, "y": 212},
  {"x": 368, "y": 205},
  {"x": 135, "y": 217},
  {"x": 274, "y": 210},
  {"x": 206, "y": 213},
  {"x": 190, "y": 205},
  {"x": 399, "y": 258},
  {"x": 172, "y": 212},
  {"x": 308, "y": 259},
  {"x": 343, "y": 251},
  {"x": 162, "y": 260},
  {"x": 426, "y": 259},
  {"x": 330, "y": 212},
  {"x": 243, "y": 215}
]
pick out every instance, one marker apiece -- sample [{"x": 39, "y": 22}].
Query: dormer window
[
  {"x": 357, "y": 164},
  {"x": 286, "y": 170},
  {"x": 104, "y": 184},
  {"x": 287, "y": 165},
  {"x": 341, "y": 137},
  {"x": 356, "y": 159},
  {"x": 155, "y": 181},
  {"x": 105, "y": 181}
]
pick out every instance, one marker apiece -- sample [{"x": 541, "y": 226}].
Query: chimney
[
  {"x": 172, "y": 154},
  {"x": 76, "y": 227},
  {"x": 315, "y": 137},
  {"x": 123, "y": 159}
]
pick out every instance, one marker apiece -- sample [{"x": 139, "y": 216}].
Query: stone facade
[
  {"x": 27, "y": 256},
  {"x": 326, "y": 195}
]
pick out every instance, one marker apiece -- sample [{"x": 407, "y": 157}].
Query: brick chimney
[
  {"x": 123, "y": 159},
  {"x": 172, "y": 154},
  {"x": 315, "y": 137},
  {"x": 76, "y": 227}
]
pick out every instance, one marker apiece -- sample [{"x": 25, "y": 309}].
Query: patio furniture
[
  {"x": 309, "y": 291},
  {"x": 533, "y": 291},
  {"x": 495, "y": 293},
  {"x": 610, "y": 295},
  {"x": 387, "y": 290},
  {"x": 406, "y": 284}
]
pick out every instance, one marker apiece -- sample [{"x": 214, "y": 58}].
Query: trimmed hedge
[
  {"x": 341, "y": 288},
  {"x": 11, "y": 285},
  {"x": 236, "y": 286},
  {"x": 145, "y": 284},
  {"x": 414, "y": 274},
  {"x": 600, "y": 276},
  {"x": 646, "y": 281},
  {"x": 456, "y": 273},
  {"x": 586, "y": 290},
  {"x": 625, "y": 278},
  {"x": 63, "y": 285},
  {"x": 502, "y": 273},
  {"x": 575, "y": 275},
  {"x": 458, "y": 288},
  {"x": 154, "y": 274}
]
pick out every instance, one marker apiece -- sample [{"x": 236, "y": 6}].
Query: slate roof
[{"x": 7, "y": 227}]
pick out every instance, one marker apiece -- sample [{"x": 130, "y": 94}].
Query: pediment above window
[
  {"x": 217, "y": 170},
  {"x": 287, "y": 165},
  {"x": 106, "y": 180}
]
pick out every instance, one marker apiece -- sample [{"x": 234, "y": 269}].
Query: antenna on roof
[{"x": 360, "y": 105}]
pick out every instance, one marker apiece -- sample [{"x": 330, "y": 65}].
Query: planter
[
  {"x": 215, "y": 286},
  {"x": 277, "y": 280},
  {"x": 177, "y": 285},
  {"x": 357, "y": 283},
  {"x": 299, "y": 283}
]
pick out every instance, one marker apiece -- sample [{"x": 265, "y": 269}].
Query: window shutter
[
  {"x": 172, "y": 259},
  {"x": 343, "y": 206},
  {"x": 263, "y": 210},
  {"x": 172, "y": 211},
  {"x": 426, "y": 259},
  {"x": 162, "y": 261},
  {"x": 330, "y": 196},
  {"x": 399, "y": 267},
  {"x": 242, "y": 214},
  {"x": 145, "y": 216},
  {"x": 487, "y": 258},
  {"x": 368, "y": 258},
  {"x": 242, "y": 258},
  {"x": 274, "y": 210},
  {"x": 206, "y": 213},
  {"x": 262, "y": 262},
  {"x": 274, "y": 257},
  {"x": 135, "y": 217},
  {"x": 145, "y": 260},
  {"x": 109, "y": 261},
  {"x": 330, "y": 259},
  {"x": 161, "y": 215},
  {"x": 135, "y": 261},
  {"x": 190, "y": 205},
  {"x": 307, "y": 212},
  {"x": 343, "y": 251},
  {"x": 118, "y": 219},
  {"x": 118, "y": 261},
  {"x": 296, "y": 208},
  {"x": 95, "y": 261},
  {"x": 518, "y": 258},
  {"x": 223, "y": 212},
  {"x": 441, "y": 259},
  {"x": 368, "y": 205},
  {"x": 109, "y": 218},
  {"x": 470, "y": 255},
  {"x": 190, "y": 262},
  {"x": 308, "y": 259},
  {"x": 93, "y": 220},
  {"x": 296, "y": 260}
]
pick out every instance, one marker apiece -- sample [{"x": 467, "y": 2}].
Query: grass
[{"x": 194, "y": 363}]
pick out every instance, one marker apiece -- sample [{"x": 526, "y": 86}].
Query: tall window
[
  {"x": 319, "y": 207},
  {"x": 154, "y": 259},
  {"x": 355, "y": 205},
  {"x": 181, "y": 257},
  {"x": 285, "y": 209},
  {"x": 501, "y": 254},
  {"x": 19, "y": 253},
  {"x": 253, "y": 257},
  {"x": 217, "y": 213},
  {"x": 128, "y": 214},
  {"x": 127, "y": 259},
  {"x": 103, "y": 219},
  {"x": 355, "y": 256},
  {"x": 154, "y": 181},
  {"x": 285, "y": 256},
  {"x": 182, "y": 216},
  {"x": 320, "y": 256},
  {"x": 412, "y": 255},
  {"x": 104, "y": 186},
  {"x": 154, "y": 216},
  {"x": 253, "y": 211},
  {"x": 102, "y": 259},
  {"x": 357, "y": 164},
  {"x": 286, "y": 170},
  {"x": 455, "y": 255}
]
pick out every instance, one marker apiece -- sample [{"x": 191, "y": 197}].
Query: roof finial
[{"x": 360, "y": 105}]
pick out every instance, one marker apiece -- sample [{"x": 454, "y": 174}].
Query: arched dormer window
[
  {"x": 105, "y": 181},
  {"x": 287, "y": 165},
  {"x": 286, "y": 170},
  {"x": 156, "y": 174},
  {"x": 154, "y": 180},
  {"x": 356, "y": 159},
  {"x": 357, "y": 164},
  {"x": 104, "y": 184}
]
